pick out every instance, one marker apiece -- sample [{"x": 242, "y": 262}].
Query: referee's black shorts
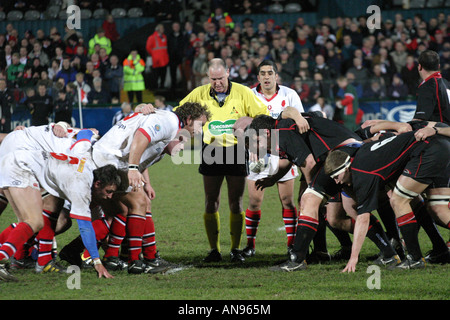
[{"x": 224, "y": 161}]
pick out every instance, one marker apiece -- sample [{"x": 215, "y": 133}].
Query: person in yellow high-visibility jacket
[
  {"x": 222, "y": 157},
  {"x": 133, "y": 80},
  {"x": 101, "y": 40}
]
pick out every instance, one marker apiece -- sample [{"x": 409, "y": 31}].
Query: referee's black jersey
[
  {"x": 378, "y": 163},
  {"x": 324, "y": 135},
  {"x": 433, "y": 97}
]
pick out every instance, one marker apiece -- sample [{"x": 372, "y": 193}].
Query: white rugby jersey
[
  {"x": 37, "y": 138},
  {"x": 283, "y": 97},
  {"x": 63, "y": 176},
  {"x": 114, "y": 147}
]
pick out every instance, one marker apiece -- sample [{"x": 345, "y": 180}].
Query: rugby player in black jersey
[
  {"x": 433, "y": 94},
  {"x": 414, "y": 165},
  {"x": 308, "y": 151}
]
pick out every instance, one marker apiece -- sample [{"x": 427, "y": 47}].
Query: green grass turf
[{"x": 178, "y": 214}]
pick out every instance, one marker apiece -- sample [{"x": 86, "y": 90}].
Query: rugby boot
[
  {"x": 409, "y": 263},
  {"x": 213, "y": 256},
  {"x": 237, "y": 256},
  {"x": 4, "y": 273},
  {"x": 51, "y": 266},
  {"x": 248, "y": 252}
]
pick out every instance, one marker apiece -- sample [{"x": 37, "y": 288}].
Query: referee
[
  {"x": 433, "y": 93},
  {"x": 222, "y": 158}
]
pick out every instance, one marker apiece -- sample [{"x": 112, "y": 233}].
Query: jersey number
[
  {"x": 381, "y": 143},
  {"x": 71, "y": 160}
]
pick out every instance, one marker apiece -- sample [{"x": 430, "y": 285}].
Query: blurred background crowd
[{"x": 42, "y": 69}]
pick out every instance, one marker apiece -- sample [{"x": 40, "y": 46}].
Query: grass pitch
[{"x": 178, "y": 214}]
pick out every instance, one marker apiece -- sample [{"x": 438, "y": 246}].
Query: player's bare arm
[
  {"x": 294, "y": 114},
  {"x": 359, "y": 235},
  {"x": 147, "y": 186},
  {"x": 426, "y": 132},
  {"x": 399, "y": 127},
  {"x": 284, "y": 166},
  {"x": 308, "y": 168},
  {"x": 138, "y": 146}
]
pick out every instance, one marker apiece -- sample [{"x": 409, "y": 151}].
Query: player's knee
[
  {"x": 333, "y": 221},
  {"x": 401, "y": 196},
  {"x": 396, "y": 201},
  {"x": 138, "y": 205},
  {"x": 236, "y": 207},
  {"x": 211, "y": 205},
  {"x": 310, "y": 198}
]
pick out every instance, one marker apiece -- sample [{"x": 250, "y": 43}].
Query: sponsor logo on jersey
[
  {"x": 81, "y": 165},
  {"x": 218, "y": 127}
]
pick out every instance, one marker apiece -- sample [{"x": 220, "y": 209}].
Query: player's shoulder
[
  {"x": 286, "y": 124},
  {"x": 286, "y": 91}
]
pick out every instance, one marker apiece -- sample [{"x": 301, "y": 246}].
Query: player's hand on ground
[
  {"x": 351, "y": 265},
  {"x": 135, "y": 179},
  {"x": 102, "y": 272}
]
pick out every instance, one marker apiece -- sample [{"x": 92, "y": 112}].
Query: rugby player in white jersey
[
  {"x": 57, "y": 138},
  {"x": 24, "y": 172},
  {"x": 277, "y": 98},
  {"x": 134, "y": 144}
]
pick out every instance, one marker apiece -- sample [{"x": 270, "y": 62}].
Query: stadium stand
[{"x": 267, "y": 29}]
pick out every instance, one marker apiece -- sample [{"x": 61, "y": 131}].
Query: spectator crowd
[{"x": 42, "y": 69}]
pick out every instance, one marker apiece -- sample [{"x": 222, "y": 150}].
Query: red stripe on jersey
[
  {"x": 86, "y": 140},
  {"x": 418, "y": 167},
  {"x": 369, "y": 172},
  {"x": 412, "y": 144},
  {"x": 438, "y": 100},
  {"x": 320, "y": 138},
  {"x": 145, "y": 134},
  {"x": 75, "y": 216},
  {"x": 131, "y": 116},
  {"x": 292, "y": 127}
]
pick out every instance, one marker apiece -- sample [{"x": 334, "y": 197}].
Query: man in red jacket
[{"x": 157, "y": 48}]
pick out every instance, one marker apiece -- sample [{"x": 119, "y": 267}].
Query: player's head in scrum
[{"x": 337, "y": 166}]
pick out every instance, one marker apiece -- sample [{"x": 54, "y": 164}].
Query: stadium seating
[
  {"x": 119, "y": 13},
  {"x": 100, "y": 13},
  {"x": 292, "y": 8},
  {"x": 135, "y": 13},
  {"x": 32, "y": 15},
  {"x": 14, "y": 15}
]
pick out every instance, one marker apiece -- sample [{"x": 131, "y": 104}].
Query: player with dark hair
[
  {"x": 432, "y": 95},
  {"x": 277, "y": 98},
  {"x": 378, "y": 163},
  {"x": 136, "y": 143},
  {"x": 75, "y": 179},
  {"x": 306, "y": 150}
]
